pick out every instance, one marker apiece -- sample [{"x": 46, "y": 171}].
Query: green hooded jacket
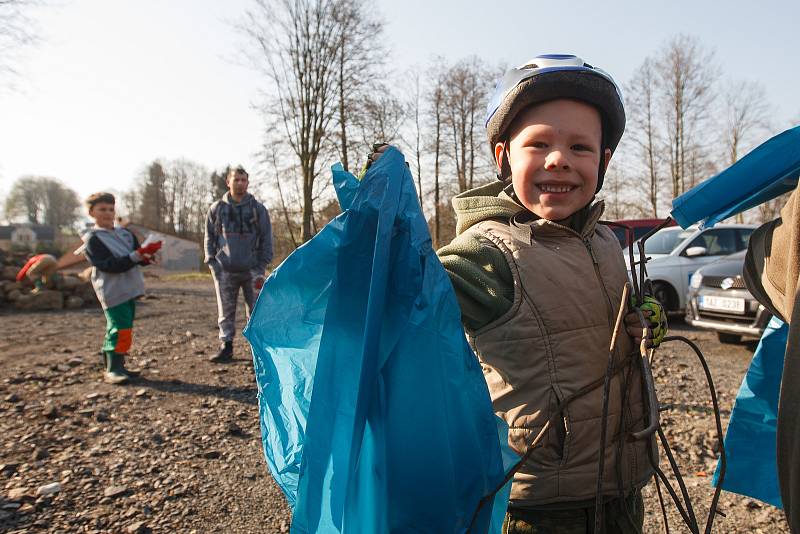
[{"x": 478, "y": 270}]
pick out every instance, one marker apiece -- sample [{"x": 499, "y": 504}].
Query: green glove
[
  {"x": 657, "y": 319},
  {"x": 372, "y": 157}
]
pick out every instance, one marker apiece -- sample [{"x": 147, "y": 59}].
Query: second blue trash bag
[
  {"x": 375, "y": 415},
  {"x": 751, "y": 438}
]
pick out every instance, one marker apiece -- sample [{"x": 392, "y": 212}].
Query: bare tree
[
  {"x": 436, "y": 112},
  {"x": 284, "y": 208},
  {"x": 16, "y": 32},
  {"x": 413, "y": 141},
  {"x": 296, "y": 47},
  {"x": 746, "y": 117},
  {"x": 381, "y": 117},
  {"x": 465, "y": 95},
  {"x": 188, "y": 195},
  {"x": 643, "y": 130},
  {"x": 686, "y": 75},
  {"x": 359, "y": 57}
]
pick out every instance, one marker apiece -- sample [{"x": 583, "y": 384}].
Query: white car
[{"x": 675, "y": 254}]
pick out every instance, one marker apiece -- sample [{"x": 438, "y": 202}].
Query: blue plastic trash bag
[
  {"x": 750, "y": 442},
  {"x": 767, "y": 171},
  {"x": 375, "y": 414}
]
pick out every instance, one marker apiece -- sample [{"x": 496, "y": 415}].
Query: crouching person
[
  {"x": 115, "y": 255},
  {"x": 40, "y": 270}
]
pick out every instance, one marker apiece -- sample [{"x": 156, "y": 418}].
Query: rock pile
[{"x": 70, "y": 291}]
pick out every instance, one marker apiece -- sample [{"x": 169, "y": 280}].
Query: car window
[
  {"x": 664, "y": 241},
  {"x": 639, "y": 231},
  {"x": 743, "y": 238},
  {"x": 717, "y": 242},
  {"x": 620, "y": 233}
]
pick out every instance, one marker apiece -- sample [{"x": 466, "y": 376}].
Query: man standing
[{"x": 238, "y": 245}]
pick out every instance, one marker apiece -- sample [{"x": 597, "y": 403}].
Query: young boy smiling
[{"x": 540, "y": 284}]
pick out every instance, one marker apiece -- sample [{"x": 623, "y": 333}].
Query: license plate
[{"x": 721, "y": 304}]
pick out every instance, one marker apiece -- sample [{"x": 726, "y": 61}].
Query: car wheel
[
  {"x": 728, "y": 338},
  {"x": 665, "y": 295}
]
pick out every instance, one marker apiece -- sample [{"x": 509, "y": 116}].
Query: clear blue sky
[{"x": 117, "y": 83}]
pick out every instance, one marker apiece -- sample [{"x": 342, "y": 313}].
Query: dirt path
[{"x": 180, "y": 450}]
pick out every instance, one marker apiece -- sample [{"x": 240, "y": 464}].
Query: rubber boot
[
  {"x": 130, "y": 373},
  {"x": 115, "y": 369},
  {"x": 225, "y": 353}
]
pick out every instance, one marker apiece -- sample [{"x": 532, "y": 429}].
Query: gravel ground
[{"x": 179, "y": 450}]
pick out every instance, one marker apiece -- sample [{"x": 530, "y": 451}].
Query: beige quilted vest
[{"x": 553, "y": 341}]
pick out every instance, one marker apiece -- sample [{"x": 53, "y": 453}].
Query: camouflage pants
[
  {"x": 619, "y": 516},
  {"x": 227, "y": 285}
]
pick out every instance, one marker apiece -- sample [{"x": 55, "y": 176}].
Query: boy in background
[{"x": 115, "y": 255}]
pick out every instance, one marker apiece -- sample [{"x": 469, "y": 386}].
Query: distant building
[
  {"x": 176, "y": 254},
  {"x": 26, "y": 235}
]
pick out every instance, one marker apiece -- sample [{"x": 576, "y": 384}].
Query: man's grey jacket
[{"x": 238, "y": 236}]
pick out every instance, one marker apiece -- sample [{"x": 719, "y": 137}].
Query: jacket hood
[
  {"x": 87, "y": 235},
  {"x": 486, "y": 202},
  {"x": 228, "y": 199}
]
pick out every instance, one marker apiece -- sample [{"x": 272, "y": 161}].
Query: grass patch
[{"x": 186, "y": 277}]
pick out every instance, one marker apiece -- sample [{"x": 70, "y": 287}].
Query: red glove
[
  {"x": 149, "y": 250},
  {"x": 258, "y": 283}
]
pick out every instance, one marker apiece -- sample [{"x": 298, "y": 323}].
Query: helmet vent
[{"x": 530, "y": 66}]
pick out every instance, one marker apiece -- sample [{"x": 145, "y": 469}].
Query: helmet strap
[{"x": 601, "y": 172}]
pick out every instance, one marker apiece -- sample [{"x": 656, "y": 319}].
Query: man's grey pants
[{"x": 227, "y": 285}]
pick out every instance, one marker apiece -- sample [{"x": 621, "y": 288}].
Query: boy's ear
[
  {"x": 607, "y": 158},
  {"x": 498, "y": 154}
]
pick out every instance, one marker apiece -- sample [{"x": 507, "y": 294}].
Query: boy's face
[
  {"x": 554, "y": 155},
  {"x": 103, "y": 214}
]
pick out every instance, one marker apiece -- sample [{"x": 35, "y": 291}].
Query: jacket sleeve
[
  {"x": 481, "y": 278},
  {"x": 210, "y": 237},
  {"x": 102, "y": 258},
  {"x": 265, "y": 241},
  {"x": 772, "y": 264}
]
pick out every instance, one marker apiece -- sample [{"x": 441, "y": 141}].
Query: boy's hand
[
  {"x": 656, "y": 318},
  {"x": 258, "y": 282},
  {"x": 377, "y": 151}
]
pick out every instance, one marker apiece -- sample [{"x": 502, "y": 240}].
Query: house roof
[{"x": 43, "y": 232}]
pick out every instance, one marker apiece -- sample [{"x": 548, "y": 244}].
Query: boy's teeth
[{"x": 555, "y": 188}]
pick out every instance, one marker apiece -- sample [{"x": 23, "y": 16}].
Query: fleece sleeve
[
  {"x": 102, "y": 258},
  {"x": 481, "y": 278},
  {"x": 210, "y": 236}
]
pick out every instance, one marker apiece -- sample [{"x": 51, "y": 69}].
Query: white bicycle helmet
[{"x": 549, "y": 77}]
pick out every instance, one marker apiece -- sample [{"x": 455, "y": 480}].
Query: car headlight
[{"x": 696, "y": 281}]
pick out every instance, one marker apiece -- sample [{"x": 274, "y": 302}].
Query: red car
[{"x": 639, "y": 226}]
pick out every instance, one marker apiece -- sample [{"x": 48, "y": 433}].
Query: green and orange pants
[{"x": 119, "y": 327}]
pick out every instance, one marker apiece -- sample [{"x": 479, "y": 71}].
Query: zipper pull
[{"x": 590, "y": 249}]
